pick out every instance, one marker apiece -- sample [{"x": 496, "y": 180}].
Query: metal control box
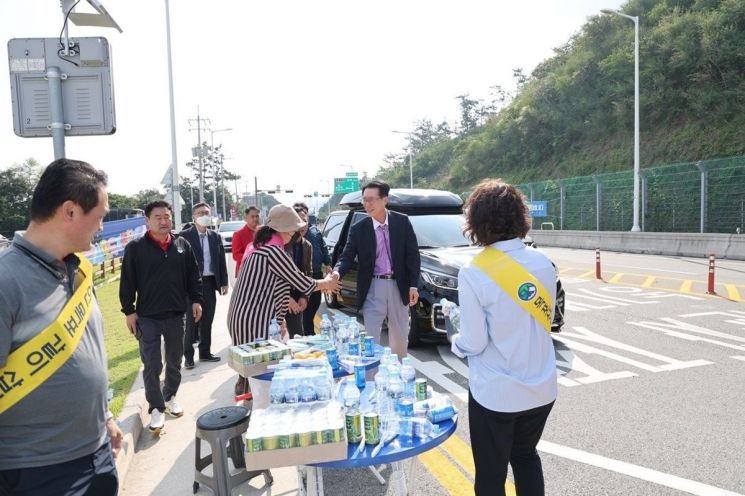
[{"x": 87, "y": 87}]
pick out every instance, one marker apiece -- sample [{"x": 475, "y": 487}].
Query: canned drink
[
  {"x": 253, "y": 444},
  {"x": 369, "y": 346},
  {"x": 441, "y": 413},
  {"x": 284, "y": 441},
  {"x": 333, "y": 358},
  {"x": 420, "y": 386},
  {"x": 372, "y": 428},
  {"x": 354, "y": 348},
  {"x": 363, "y": 334},
  {"x": 406, "y": 408},
  {"x": 406, "y": 428},
  {"x": 270, "y": 442},
  {"x": 316, "y": 437},
  {"x": 330, "y": 436},
  {"x": 304, "y": 439},
  {"x": 359, "y": 375},
  {"x": 353, "y": 422}
]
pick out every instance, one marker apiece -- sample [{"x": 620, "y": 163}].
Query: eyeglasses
[{"x": 370, "y": 199}]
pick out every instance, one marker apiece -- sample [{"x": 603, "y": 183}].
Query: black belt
[{"x": 383, "y": 276}]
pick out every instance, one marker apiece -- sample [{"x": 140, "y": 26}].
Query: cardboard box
[{"x": 289, "y": 457}]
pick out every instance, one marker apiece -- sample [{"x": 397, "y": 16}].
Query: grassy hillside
[{"x": 574, "y": 114}]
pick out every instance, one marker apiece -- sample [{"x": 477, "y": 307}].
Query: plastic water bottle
[
  {"x": 381, "y": 386},
  {"x": 408, "y": 376},
  {"x": 354, "y": 329},
  {"x": 326, "y": 326},
  {"x": 395, "y": 389},
  {"x": 385, "y": 359},
  {"x": 451, "y": 310},
  {"x": 277, "y": 391},
  {"x": 351, "y": 395},
  {"x": 274, "y": 330},
  {"x": 341, "y": 340}
]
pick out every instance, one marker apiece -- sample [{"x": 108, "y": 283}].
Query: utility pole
[{"x": 200, "y": 149}]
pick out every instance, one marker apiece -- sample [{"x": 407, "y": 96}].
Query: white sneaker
[
  {"x": 157, "y": 421},
  {"x": 173, "y": 408}
]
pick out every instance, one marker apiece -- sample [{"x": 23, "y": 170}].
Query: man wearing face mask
[{"x": 210, "y": 255}]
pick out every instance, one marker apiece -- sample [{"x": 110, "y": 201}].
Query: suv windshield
[{"x": 439, "y": 230}]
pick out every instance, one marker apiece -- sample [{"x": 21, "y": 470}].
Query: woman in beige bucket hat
[{"x": 262, "y": 290}]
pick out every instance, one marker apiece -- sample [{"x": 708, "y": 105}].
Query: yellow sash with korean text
[
  {"x": 522, "y": 286},
  {"x": 38, "y": 359}
]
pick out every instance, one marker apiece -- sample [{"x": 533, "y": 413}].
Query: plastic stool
[{"x": 222, "y": 428}]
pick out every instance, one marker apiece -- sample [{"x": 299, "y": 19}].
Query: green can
[
  {"x": 421, "y": 388},
  {"x": 316, "y": 437},
  {"x": 285, "y": 441},
  {"x": 304, "y": 439},
  {"x": 354, "y": 426},
  {"x": 253, "y": 444},
  {"x": 271, "y": 442},
  {"x": 372, "y": 428}
]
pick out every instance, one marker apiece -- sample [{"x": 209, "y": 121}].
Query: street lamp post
[
  {"x": 175, "y": 188},
  {"x": 635, "y": 20},
  {"x": 411, "y": 165},
  {"x": 222, "y": 183}
]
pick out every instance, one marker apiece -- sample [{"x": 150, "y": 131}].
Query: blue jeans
[{"x": 91, "y": 475}]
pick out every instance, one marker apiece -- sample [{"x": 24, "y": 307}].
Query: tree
[
  {"x": 469, "y": 118},
  {"x": 17, "y": 184}
]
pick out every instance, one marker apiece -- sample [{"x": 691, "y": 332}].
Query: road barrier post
[
  {"x": 710, "y": 288},
  {"x": 597, "y": 264}
]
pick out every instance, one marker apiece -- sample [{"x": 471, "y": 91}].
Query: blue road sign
[{"x": 538, "y": 208}]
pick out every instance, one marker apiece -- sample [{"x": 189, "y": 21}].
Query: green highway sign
[{"x": 346, "y": 185}]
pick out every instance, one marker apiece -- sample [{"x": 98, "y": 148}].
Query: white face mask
[{"x": 204, "y": 220}]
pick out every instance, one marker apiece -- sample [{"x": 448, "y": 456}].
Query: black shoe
[
  {"x": 209, "y": 358},
  {"x": 189, "y": 364}
]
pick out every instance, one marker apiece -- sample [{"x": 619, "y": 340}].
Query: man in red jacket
[{"x": 244, "y": 236}]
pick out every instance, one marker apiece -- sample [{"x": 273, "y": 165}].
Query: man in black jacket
[
  {"x": 388, "y": 254},
  {"x": 210, "y": 254},
  {"x": 159, "y": 275}
]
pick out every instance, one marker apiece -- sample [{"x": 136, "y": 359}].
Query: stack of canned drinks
[
  {"x": 246, "y": 355},
  {"x": 295, "y": 426}
]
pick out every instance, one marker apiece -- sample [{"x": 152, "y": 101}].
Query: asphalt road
[{"x": 651, "y": 387}]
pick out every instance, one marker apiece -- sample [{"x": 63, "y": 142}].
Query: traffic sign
[
  {"x": 352, "y": 174},
  {"x": 346, "y": 185},
  {"x": 537, "y": 208}
]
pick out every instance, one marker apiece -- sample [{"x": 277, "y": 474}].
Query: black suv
[{"x": 437, "y": 218}]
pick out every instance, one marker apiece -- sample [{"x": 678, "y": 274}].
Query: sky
[{"x": 311, "y": 90}]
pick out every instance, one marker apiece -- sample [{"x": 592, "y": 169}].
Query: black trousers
[
  {"x": 294, "y": 323},
  {"x": 499, "y": 438},
  {"x": 172, "y": 330},
  {"x": 203, "y": 328},
  {"x": 90, "y": 475},
  {"x": 314, "y": 301}
]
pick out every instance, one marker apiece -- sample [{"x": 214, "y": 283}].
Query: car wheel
[
  {"x": 414, "y": 339},
  {"x": 331, "y": 301}
]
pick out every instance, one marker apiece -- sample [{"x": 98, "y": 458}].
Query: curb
[{"x": 130, "y": 420}]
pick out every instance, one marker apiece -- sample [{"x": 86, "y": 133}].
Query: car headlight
[{"x": 440, "y": 280}]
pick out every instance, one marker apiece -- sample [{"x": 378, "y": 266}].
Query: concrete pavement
[{"x": 165, "y": 465}]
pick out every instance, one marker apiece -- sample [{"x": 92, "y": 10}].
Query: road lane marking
[
  {"x": 461, "y": 453},
  {"x": 672, "y": 327},
  {"x": 448, "y": 476},
  {"x": 686, "y": 286},
  {"x": 587, "y": 274},
  {"x": 648, "y": 282},
  {"x": 634, "y": 471},
  {"x": 617, "y": 277},
  {"x": 452, "y": 361},
  {"x": 592, "y": 375},
  {"x": 436, "y": 371},
  {"x": 670, "y": 363},
  {"x": 733, "y": 293}
]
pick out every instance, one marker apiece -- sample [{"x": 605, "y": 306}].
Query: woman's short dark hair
[
  {"x": 263, "y": 235},
  {"x": 157, "y": 204},
  {"x": 297, "y": 206},
  {"x": 496, "y": 211},
  {"x": 383, "y": 188},
  {"x": 250, "y": 209},
  {"x": 63, "y": 180}
]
